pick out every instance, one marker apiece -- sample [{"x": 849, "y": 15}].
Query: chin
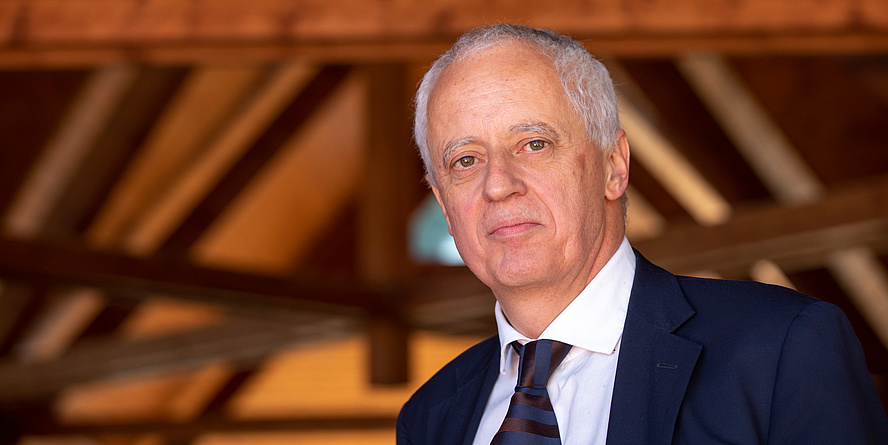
[{"x": 520, "y": 276}]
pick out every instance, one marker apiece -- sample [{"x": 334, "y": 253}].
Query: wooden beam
[
  {"x": 263, "y": 149},
  {"x": 383, "y": 213},
  {"x": 644, "y": 220},
  {"x": 66, "y": 316},
  {"x": 452, "y": 300},
  {"x": 206, "y": 100},
  {"x": 127, "y": 276},
  {"x": 766, "y": 271},
  {"x": 792, "y": 236},
  {"x": 280, "y": 216},
  {"x": 92, "y": 109},
  {"x": 672, "y": 170},
  {"x": 863, "y": 275},
  {"x": 259, "y": 110},
  {"x": 322, "y": 52},
  {"x": 22, "y": 134},
  {"x": 241, "y": 343},
  {"x": 54, "y": 32},
  {"x": 112, "y": 151},
  {"x": 758, "y": 138},
  {"x": 20, "y": 304},
  {"x": 215, "y": 408},
  {"x": 131, "y": 21}
]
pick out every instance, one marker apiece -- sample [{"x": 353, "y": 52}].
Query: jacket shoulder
[
  {"x": 746, "y": 300},
  {"x": 786, "y": 367}
]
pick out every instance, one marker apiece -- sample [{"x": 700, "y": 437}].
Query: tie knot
[{"x": 537, "y": 360}]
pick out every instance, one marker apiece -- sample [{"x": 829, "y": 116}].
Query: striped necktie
[{"x": 531, "y": 419}]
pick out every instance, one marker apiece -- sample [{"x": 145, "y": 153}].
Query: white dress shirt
[{"x": 581, "y": 388}]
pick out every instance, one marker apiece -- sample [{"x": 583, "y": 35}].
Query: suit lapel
[
  {"x": 655, "y": 365},
  {"x": 481, "y": 395},
  {"x": 455, "y": 419}
]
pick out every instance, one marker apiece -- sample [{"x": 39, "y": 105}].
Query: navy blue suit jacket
[{"x": 701, "y": 361}]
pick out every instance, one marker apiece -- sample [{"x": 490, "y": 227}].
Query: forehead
[
  {"x": 505, "y": 66},
  {"x": 511, "y": 81}
]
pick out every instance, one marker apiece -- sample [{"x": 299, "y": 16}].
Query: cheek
[
  {"x": 590, "y": 177},
  {"x": 571, "y": 188},
  {"x": 580, "y": 194},
  {"x": 461, "y": 216},
  {"x": 580, "y": 163}
]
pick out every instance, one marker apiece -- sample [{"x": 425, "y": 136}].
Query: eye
[
  {"x": 465, "y": 161},
  {"x": 536, "y": 145}
]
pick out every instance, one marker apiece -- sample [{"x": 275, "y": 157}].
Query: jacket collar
[{"x": 655, "y": 365}]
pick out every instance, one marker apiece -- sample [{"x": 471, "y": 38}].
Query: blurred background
[{"x": 215, "y": 229}]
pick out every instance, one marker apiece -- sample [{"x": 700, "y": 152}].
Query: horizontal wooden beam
[
  {"x": 128, "y": 276},
  {"x": 793, "y": 236},
  {"x": 205, "y": 426},
  {"x": 60, "y": 32},
  {"x": 136, "y": 21},
  {"x": 241, "y": 343}
]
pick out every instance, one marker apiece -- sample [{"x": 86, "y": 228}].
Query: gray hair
[{"x": 585, "y": 80}]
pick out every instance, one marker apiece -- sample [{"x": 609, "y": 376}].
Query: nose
[{"x": 504, "y": 178}]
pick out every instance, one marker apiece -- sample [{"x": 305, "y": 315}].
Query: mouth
[{"x": 512, "y": 228}]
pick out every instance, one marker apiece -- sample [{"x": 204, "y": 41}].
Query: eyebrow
[
  {"x": 453, "y": 145},
  {"x": 536, "y": 127}
]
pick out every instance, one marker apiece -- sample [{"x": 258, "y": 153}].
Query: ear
[
  {"x": 441, "y": 204},
  {"x": 617, "y": 168}
]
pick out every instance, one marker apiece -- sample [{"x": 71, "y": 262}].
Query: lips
[{"x": 512, "y": 227}]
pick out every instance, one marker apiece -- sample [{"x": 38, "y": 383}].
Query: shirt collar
[{"x": 593, "y": 320}]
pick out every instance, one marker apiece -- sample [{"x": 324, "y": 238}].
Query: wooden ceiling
[{"x": 205, "y": 204}]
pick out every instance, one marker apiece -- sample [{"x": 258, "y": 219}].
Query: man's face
[{"x": 523, "y": 188}]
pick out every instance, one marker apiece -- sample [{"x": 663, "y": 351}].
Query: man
[{"x": 519, "y": 132}]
